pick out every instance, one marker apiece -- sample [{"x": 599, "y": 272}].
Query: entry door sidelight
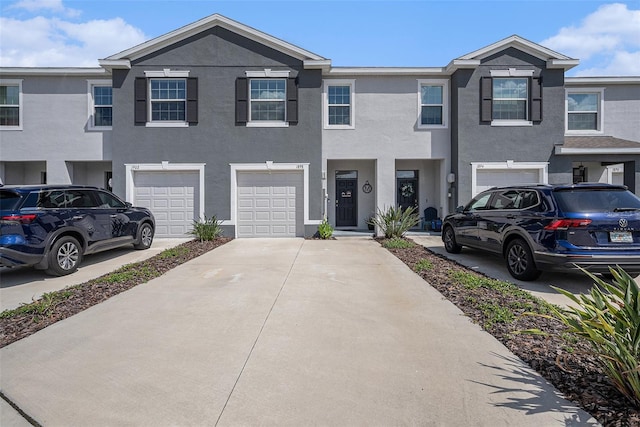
[
  {"x": 407, "y": 189},
  {"x": 346, "y": 198}
]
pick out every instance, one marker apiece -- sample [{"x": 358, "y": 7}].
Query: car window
[
  {"x": 481, "y": 201},
  {"x": 79, "y": 199},
  {"x": 596, "y": 200},
  {"x": 51, "y": 199},
  {"x": 504, "y": 200},
  {"x": 526, "y": 199},
  {"x": 107, "y": 200},
  {"x": 9, "y": 200}
]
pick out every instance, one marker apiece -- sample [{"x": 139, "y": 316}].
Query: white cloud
[
  {"x": 53, "y": 42},
  {"x": 45, "y": 5},
  {"x": 607, "y": 42}
]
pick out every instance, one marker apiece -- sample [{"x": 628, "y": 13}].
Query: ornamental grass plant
[{"x": 396, "y": 221}]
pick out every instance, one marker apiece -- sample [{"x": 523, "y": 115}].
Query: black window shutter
[
  {"x": 486, "y": 102},
  {"x": 192, "y": 100},
  {"x": 292, "y": 101},
  {"x": 242, "y": 103},
  {"x": 140, "y": 89},
  {"x": 536, "y": 99}
]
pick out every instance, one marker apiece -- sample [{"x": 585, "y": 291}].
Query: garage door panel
[
  {"x": 273, "y": 204},
  {"x": 171, "y": 196}
]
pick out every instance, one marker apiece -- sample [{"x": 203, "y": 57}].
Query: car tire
[
  {"x": 449, "y": 238},
  {"x": 65, "y": 256},
  {"x": 520, "y": 263},
  {"x": 145, "y": 237}
]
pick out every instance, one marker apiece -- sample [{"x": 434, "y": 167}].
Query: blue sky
[{"x": 604, "y": 35}]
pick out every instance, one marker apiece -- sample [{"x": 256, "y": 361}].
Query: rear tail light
[
  {"x": 24, "y": 218},
  {"x": 563, "y": 224}
]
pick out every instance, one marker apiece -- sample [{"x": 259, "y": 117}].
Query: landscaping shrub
[
  {"x": 609, "y": 318},
  {"x": 396, "y": 221},
  {"x": 325, "y": 231},
  {"x": 206, "y": 230}
]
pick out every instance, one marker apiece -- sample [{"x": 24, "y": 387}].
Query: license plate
[{"x": 621, "y": 237}]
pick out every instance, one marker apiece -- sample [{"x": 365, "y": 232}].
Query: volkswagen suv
[
  {"x": 539, "y": 228},
  {"x": 52, "y": 227}
]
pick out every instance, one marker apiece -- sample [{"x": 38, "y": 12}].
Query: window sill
[
  {"x": 506, "y": 123},
  {"x": 267, "y": 124},
  {"x": 99, "y": 128},
  {"x": 167, "y": 125},
  {"x": 10, "y": 127},
  {"x": 339, "y": 127},
  {"x": 431, "y": 127},
  {"x": 583, "y": 132}
]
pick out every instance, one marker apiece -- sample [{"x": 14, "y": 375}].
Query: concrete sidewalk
[{"x": 278, "y": 332}]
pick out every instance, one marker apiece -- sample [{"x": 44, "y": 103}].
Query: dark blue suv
[
  {"x": 551, "y": 227},
  {"x": 52, "y": 227}
]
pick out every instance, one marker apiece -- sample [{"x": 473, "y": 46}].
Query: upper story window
[
  {"x": 10, "y": 104},
  {"x": 511, "y": 98},
  {"x": 584, "y": 110},
  {"x": 266, "y": 99},
  {"x": 338, "y": 104},
  {"x": 100, "y": 104},
  {"x": 433, "y": 97},
  {"x": 166, "y": 98}
]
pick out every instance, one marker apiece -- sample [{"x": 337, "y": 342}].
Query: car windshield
[
  {"x": 597, "y": 200},
  {"x": 9, "y": 200}
]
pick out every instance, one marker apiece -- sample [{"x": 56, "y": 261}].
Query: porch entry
[
  {"x": 346, "y": 198},
  {"x": 407, "y": 188}
]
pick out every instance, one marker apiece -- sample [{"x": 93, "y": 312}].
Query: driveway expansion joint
[{"x": 253, "y": 346}]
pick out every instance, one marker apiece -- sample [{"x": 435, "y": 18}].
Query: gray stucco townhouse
[{"x": 217, "y": 118}]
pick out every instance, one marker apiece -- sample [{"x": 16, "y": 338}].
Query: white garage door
[
  {"x": 486, "y": 179},
  {"x": 171, "y": 196},
  {"x": 270, "y": 204}
]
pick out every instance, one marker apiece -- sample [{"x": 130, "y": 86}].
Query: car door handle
[
  {"x": 77, "y": 217},
  {"x": 113, "y": 216},
  {"x": 510, "y": 216}
]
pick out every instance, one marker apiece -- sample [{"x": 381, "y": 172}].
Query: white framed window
[
  {"x": 511, "y": 97},
  {"x": 584, "y": 110},
  {"x": 338, "y": 100},
  {"x": 267, "y": 101},
  {"x": 10, "y": 104},
  {"x": 100, "y": 104},
  {"x": 433, "y": 103},
  {"x": 166, "y": 99}
]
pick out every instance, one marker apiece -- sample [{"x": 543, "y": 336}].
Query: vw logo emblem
[{"x": 623, "y": 223}]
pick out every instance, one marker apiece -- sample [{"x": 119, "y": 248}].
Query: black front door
[
  {"x": 407, "y": 189},
  {"x": 346, "y": 199}
]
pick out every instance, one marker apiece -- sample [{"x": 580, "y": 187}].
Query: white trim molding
[
  {"x": 325, "y": 102},
  {"x": 542, "y": 167},
  {"x": 511, "y": 72},
  {"x": 166, "y": 72},
  {"x": 268, "y": 73},
  {"x": 15, "y": 82},
  {"x": 266, "y": 167},
  {"x": 165, "y": 166}
]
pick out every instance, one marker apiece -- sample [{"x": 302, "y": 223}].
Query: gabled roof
[
  {"x": 552, "y": 58},
  {"x": 124, "y": 58}
]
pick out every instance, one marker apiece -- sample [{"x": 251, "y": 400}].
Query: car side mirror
[
  {"x": 460, "y": 209},
  {"x": 128, "y": 204}
]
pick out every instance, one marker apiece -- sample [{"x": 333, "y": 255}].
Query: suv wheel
[
  {"x": 64, "y": 257},
  {"x": 450, "y": 244},
  {"x": 520, "y": 261},
  {"x": 146, "y": 237}
]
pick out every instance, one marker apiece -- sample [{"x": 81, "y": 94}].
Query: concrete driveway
[
  {"x": 278, "y": 332},
  {"x": 23, "y": 285}
]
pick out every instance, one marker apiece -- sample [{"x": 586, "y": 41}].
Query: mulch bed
[
  {"x": 75, "y": 299},
  {"x": 568, "y": 365}
]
